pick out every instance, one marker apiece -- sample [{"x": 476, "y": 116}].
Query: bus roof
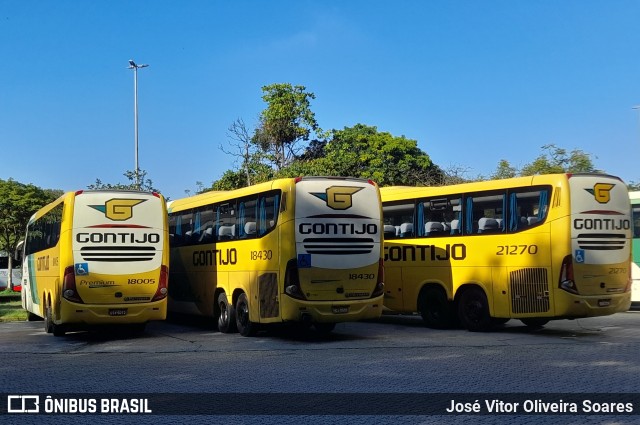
[{"x": 391, "y": 193}]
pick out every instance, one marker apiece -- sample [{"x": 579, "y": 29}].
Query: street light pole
[{"x": 134, "y": 66}]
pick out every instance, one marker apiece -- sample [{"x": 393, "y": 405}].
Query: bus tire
[
  {"x": 245, "y": 326},
  {"x": 48, "y": 321},
  {"x": 324, "y": 328},
  {"x": 434, "y": 308},
  {"x": 227, "y": 319},
  {"x": 49, "y": 326},
  {"x": 473, "y": 310},
  {"x": 535, "y": 322}
]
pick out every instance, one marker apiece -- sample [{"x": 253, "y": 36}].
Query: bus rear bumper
[
  {"x": 331, "y": 311},
  {"x": 102, "y": 314},
  {"x": 569, "y": 305}
]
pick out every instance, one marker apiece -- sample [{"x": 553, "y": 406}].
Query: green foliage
[
  {"x": 633, "y": 185},
  {"x": 235, "y": 179},
  {"x": 558, "y": 160},
  {"x": 146, "y": 184},
  {"x": 286, "y": 121},
  {"x": 504, "y": 170},
  {"x": 18, "y": 202},
  {"x": 362, "y": 151}
]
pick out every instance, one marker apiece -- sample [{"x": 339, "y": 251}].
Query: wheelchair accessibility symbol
[
  {"x": 304, "y": 261},
  {"x": 82, "y": 269},
  {"x": 579, "y": 256}
]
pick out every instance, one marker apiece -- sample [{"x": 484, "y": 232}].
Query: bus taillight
[
  {"x": 292, "y": 281},
  {"x": 567, "y": 281},
  {"x": 379, "y": 289},
  {"x": 161, "y": 293},
  {"x": 69, "y": 290}
]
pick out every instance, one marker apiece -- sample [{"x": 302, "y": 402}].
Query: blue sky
[{"x": 473, "y": 82}]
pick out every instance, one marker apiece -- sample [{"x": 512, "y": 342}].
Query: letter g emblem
[
  {"x": 601, "y": 192},
  {"x": 338, "y": 197}
]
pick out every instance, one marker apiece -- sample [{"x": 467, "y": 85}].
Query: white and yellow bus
[
  {"x": 290, "y": 250},
  {"x": 97, "y": 257},
  {"x": 530, "y": 248}
]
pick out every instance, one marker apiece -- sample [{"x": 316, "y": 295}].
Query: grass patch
[
  {"x": 11, "y": 306},
  {"x": 12, "y": 311},
  {"x": 8, "y": 293}
]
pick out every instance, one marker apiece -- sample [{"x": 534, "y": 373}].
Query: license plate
[
  {"x": 117, "y": 312},
  {"x": 604, "y": 303},
  {"x": 340, "y": 309}
]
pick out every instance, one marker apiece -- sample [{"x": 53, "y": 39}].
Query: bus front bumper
[{"x": 296, "y": 310}]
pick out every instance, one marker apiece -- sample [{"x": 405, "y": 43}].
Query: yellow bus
[
  {"x": 530, "y": 248},
  {"x": 305, "y": 250},
  {"x": 97, "y": 257}
]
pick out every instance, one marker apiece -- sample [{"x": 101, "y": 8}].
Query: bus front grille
[
  {"x": 117, "y": 253},
  {"x": 338, "y": 246},
  {"x": 529, "y": 290},
  {"x": 602, "y": 241}
]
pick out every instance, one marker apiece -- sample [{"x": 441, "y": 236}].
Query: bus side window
[
  {"x": 267, "y": 212},
  {"x": 485, "y": 211},
  {"x": 206, "y": 225},
  {"x": 527, "y": 208},
  {"x": 398, "y": 220},
  {"x": 247, "y": 218},
  {"x": 227, "y": 222}
]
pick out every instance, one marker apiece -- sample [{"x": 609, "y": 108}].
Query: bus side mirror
[{"x": 17, "y": 255}]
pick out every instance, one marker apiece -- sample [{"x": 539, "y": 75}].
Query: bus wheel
[
  {"x": 435, "y": 308},
  {"x": 227, "y": 319},
  {"x": 324, "y": 328},
  {"x": 245, "y": 326},
  {"x": 49, "y": 326},
  {"x": 535, "y": 322},
  {"x": 473, "y": 310},
  {"x": 48, "y": 322}
]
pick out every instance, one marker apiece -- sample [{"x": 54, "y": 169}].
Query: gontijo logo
[
  {"x": 601, "y": 191},
  {"x": 118, "y": 209},
  {"x": 338, "y": 197}
]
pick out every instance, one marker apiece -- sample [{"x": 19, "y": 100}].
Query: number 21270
[{"x": 517, "y": 249}]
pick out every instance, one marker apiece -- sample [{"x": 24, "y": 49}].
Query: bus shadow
[
  {"x": 291, "y": 332},
  {"x": 513, "y": 326},
  {"x": 193, "y": 321},
  {"x": 295, "y": 333},
  {"x": 106, "y": 333}
]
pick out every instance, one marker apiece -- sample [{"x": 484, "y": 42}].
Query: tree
[
  {"x": 237, "y": 179},
  {"x": 558, "y": 160},
  {"x": 245, "y": 149},
  {"x": 362, "y": 151},
  {"x": 18, "y": 202},
  {"x": 633, "y": 185},
  {"x": 285, "y": 122},
  {"x": 504, "y": 170},
  {"x": 146, "y": 184}
]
